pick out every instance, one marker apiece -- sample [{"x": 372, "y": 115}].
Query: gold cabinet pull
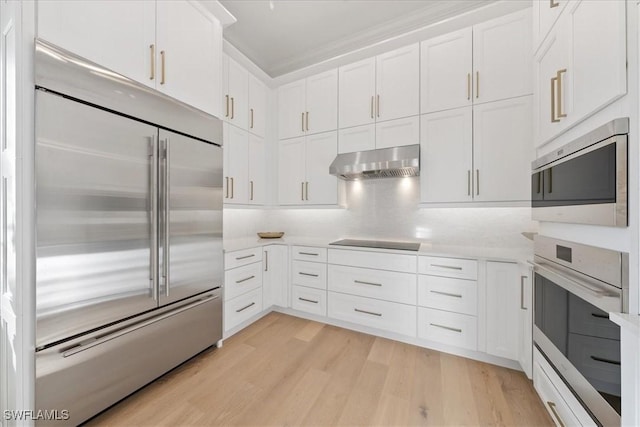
[
  {"x": 251, "y": 184},
  {"x": 468, "y": 86},
  {"x": 226, "y": 97},
  {"x": 302, "y": 191},
  {"x": 553, "y": 4},
  {"x": 162, "y": 67},
  {"x": 226, "y": 179},
  {"x": 378, "y": 105},
  {"x": 552, "y": 406},
  {"x": 231, "y": 187},
  {"x": 233, "y": 108},
  {"x": 302, "y": 122},
  {"x": 553, "y": 100},
  {"x": 306, "y": 188},
  {"x": 152, "y": 51},
  {"x": 468, "y": 182},
  {"x": 559, "y": 77},
  {"x": 477, "y": 182},
  {"x": 307, "y": 121},
  {"x": 372, "y": 106},
  {"x": 477, "y": 84},
  {"x": 251, "y": 126}
]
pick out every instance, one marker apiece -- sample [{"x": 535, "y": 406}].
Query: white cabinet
[
  {"x": 525, "y": 321},
  {"x": 561, "y": 404},
  {"x": 236, "y": 153},
  {"x": 235, "y": 81},
  {"x": 309, "y": 279},
  {"x": 257, "y": 176},
  {"x": 579, "y": 71},
  {"x": 503, "y": 306},
  {"x": 245, "y": 164},
  {"x": 502, "y": 150},
  {"x": 274, "y": 276},
  {"x": 357, "y": 88},
  {"x": 545, "y": 14},
  {"x": 308, "y": 106},
  {"x": 242, "y": 287},
  {"x": 174, "y": 47},
  {"x": 383, "y": 91},
  {"x": 484, "y": 63},
  {"x": 480, "y": 153},
  {"x": 445, "y": 72},
  {"x": 303, "y": 177},
  {"x": 258, "y": 98}
]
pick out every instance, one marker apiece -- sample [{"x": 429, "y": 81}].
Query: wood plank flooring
[{"x": 288, "y": 371}]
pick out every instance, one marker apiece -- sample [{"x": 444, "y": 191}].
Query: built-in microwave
[
  {"x": 575, "y": 288},
  {"x": 585, "y": 181}
]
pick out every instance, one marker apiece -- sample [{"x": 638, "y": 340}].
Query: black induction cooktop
[{"x": 378, "y": 244}]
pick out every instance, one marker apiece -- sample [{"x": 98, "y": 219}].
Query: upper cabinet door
[
  {"x": 121, "y": 33},
  {"x": 502, "y": 59},
  {"x": 357, "y": 87},
  {"x": 188, "y": 50},
  {"x": 291, "y": 171},
  {"x": 599, "y": 67},
  {"x": 320, "y": 187},
  {"x": 446, "y": 156},
  {"x": 321, "y": 113},
  {"x": 237, "y": 96},
  {"x": 257, "y": 170},
  {"x": 291, "y": 108},
  {"x": 257, "y": 106},
  {"x": 545, "y": 14},
  {"x": 398, "y": 83},
  {"x": 236, "y": 146},
  {"x": 503, "y": 150},
  {"x": 446, "y": 79}
]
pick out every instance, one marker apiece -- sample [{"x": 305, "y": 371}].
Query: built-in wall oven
[
  {"x": 585, "y": 181},
  {"x": 575, "y": 287}
]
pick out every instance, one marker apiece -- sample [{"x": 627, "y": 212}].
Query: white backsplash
[{"x": 388, "y": 209}]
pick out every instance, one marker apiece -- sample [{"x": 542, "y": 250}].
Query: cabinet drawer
[
  {"x": 311, "y": 274},
  {"x": 377, "y": 260},
  {"x": 448, "y": 267},
  {"x": 559, "y": 401},
  {"x": 389, "y": 316},
  {"x": 310, "y": 300},
  {"x": 385, "y": 285},
  {"x": 445, "y": 293},
  {"x": 588, "y": 320},
  {"x": 242, "y": 279},
  {"x": 243, "y": 257},
  {"x": 598, "y": 359},
  {"x": 308, "y": 253},
  {"x": 455, "y": 329},
  {"x": 242, "y": 308}
]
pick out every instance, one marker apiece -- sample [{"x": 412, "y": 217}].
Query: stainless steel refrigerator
[{"x": 129, "y": 234}]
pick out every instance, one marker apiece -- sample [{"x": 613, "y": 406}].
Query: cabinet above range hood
[{"x": 392, "y": 162}]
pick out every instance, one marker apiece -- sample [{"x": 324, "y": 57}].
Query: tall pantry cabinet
[
  {"x": 244, "y": 105},
  {"x": 476, "y": 108}
]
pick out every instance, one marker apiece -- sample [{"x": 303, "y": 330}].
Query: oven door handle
[{"x": 608, "y": 300}]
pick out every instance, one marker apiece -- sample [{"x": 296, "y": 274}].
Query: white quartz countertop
[{"x": 426, "y": 248}]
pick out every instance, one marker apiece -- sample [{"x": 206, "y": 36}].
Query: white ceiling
[{"x": 299, "y": 33}]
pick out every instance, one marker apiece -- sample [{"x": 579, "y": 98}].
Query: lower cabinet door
[
  {"x": 455, "y": 329},
  {"x": 556, "y": 397},
  {"x": 242, "y": 280},
  {"x": 242, "y": 308},
  {"x": 309, "y": 300},
  {"x": 389, "y": 316}
]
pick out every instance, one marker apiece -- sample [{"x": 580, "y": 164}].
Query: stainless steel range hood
[{"x": 381, "y": 163}]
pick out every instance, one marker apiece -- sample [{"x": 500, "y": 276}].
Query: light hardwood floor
[{"x": 284, "y": 370}]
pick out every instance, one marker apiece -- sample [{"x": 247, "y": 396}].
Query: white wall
[{"x": 388, "y": 209}]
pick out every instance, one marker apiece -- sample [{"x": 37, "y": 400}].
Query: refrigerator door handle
[
  {"x": 153, "y": 184},
  {"x": 165, "y": 216}
]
